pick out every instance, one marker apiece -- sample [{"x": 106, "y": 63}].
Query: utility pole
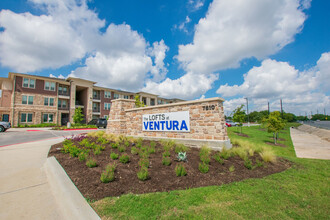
[
  {"x": 281, "y": 108},
  {"x": 268, "y": 108},
  {"x": 247, "y": 110},
  {"x": 324, "y": 111}
]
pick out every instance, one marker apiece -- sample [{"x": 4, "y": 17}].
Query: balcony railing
[
  {"x": 97, "y": 97},
  {"x": 63, "y": 107},
  {"x": 96, "y": 109},
  {"x": 64, "y": 93}
]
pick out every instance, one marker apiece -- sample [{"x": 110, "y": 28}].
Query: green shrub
[
  {"x": 224, "y": 153},
  {"x": 151, "y": 149},
  {"x": 180, "y": 170},
  {"x": 153, "y": 144},
  {"x": 109, "y": 174},
  {"x": 144, "y": 162},
  {"x": 204, "y": 154},
  {"x": 82, "y": 156},
  {"x": 240, "y": 151},
  {"x": 91, "y": 163},
  {"x": 85, "y": 143},
  {"x": 114, "y": 145},
  {"x": 74, "y": 151},
  {"x": 97, "y": 151},
  {"x": 231, "y": 168},
  {"x": 143, "y": 174},
  {"x": 122, "y": 148},
  {"x": 114, "y": 156},
  {"x": 248, "y": 164},
  {"x": 134, "y": 150},
  {"x": 166, "y": 154},
  {"x": 218, "y": 158},
  {"x": 181, "y": 148},
  {"x": 124, "y": 158},
  {"x": 127, "y": 143},
  {"x": 167, "y": 144},
  {"x": 166, "y": 161},
  {"x": 205, "y": 158},
  {"x": 259, "y": 163},
  {"x": 203, "y": 167}
]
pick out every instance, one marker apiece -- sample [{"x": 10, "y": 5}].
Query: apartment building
[{"x": 31, "y": 99}]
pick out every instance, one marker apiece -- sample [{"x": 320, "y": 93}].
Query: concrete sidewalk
[
  {"x": 26, "y": 191},
  {"x": 309, "y": 145}
]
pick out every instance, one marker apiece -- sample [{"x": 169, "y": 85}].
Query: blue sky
[{"x": 260, "y": 49}]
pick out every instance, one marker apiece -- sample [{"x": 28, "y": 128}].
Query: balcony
[
  {"x": 79, "y": 104},
  {"x": 96, "y": 110},
  {"x": 63, "y": 107}
]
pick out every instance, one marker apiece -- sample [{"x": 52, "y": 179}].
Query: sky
[{"x": 256, "y": 50}]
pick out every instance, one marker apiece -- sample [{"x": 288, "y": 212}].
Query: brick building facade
[{"x": 31, "y": 99}]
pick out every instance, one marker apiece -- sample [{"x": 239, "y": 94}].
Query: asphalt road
[
  {"x": 319, "y": 124},
  {"x": 16, "y": 136}
]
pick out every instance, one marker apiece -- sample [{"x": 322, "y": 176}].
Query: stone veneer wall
[{"x": 207, "y": 124}]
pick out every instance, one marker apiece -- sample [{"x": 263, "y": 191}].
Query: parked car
[
  {"x": 100, "y": 122},
  {"x": 231, "y": 123},
  {"x": 228, "y": 125},
  {"x": 4, "y": 126}
]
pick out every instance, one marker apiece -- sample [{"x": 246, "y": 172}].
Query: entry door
[
  {"x": 64, "y": 118},
  {"x": 5, "y": 117}
]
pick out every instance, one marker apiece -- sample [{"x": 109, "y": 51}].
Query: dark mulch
[
  {"x": 162, "y": 178},
  {"x": 277, "y": 144}
]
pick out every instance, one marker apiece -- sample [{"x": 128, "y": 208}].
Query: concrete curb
[{"x": 69, "y": 199}]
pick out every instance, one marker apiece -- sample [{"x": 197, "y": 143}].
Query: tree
[
  {"x": 274, "y": 123},
  {"x": 78, "y": 116},
  {"x": 138, "y": 103},
  {"x": 289, "y": 117},
  {"x": 239, "y": 116}
]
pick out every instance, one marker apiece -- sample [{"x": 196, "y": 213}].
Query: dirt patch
[
  {"x": 162, "y": 178},
  {"x": 277, "y": 144},
  {"x": 241, "y": 134}
]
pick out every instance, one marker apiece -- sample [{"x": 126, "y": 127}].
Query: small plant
[
  {"x": 241, "y": 152},
  {"x": 97, "y": 151},
  {"x": 114, "y": 156},
  {"x": 114, "y": 145},
  {"x": 82, "y": 156},
  {"x": 127, "y": 143},
  {"x": 204, "y": 154},
  {"x": 134, "y": 150},
  {"x": 151, "y": 149},
  {"x": 144, "y": 162},
  {"x": 231, "y": 168},
  {"x": 268, "y": 156},
  {"x": 143, "y": 173},
  {"x": 109, "y": 174},
  {"x": 152, "y": 144},
  {"x": 122, "y": 148},
  {"x": 248, "y": 164},
  {"x": 91, "y": 163},
  {"x": 218, "y": 158},
  {"x": 181, "y": 148},
  {"x": 166, "y": 154},
  {"x": 203, "y": 167},
  {"x": 259, "y": 163},
  {"x": 180, "y": 170},
  {"x": 166, "y": 161},
  {"x": 224, "y": 153},
  {"x": 124, "y": 158},
  {"x": 182, "y": 156}
]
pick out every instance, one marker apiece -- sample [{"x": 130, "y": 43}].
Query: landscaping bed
[{"x": 238, "y": 165}]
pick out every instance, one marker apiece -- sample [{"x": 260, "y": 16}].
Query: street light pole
[{"x": 247, "y": 110}]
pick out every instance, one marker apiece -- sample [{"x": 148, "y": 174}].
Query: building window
[
  {"x": 62, "y": 103},
  {"x": 26, "y": 117},
  {"x": 48, "y": 118},
  {"x": 49, "y": 101},
  {"x": 0, "y": 93},
  {"x": 50, "y": 86},
  {"x": 107, "y": 106},
  {"x": 126, "y": 97},
  {"x": 63, "y": 90},
  {"x": 116, "y": 96},
  {"x": 106, "y": 117},
  {"x": 107, "y": 94},
  {"x": 152, "y": 101},
  {"x": 27, "y": 100},
  {"x": 29, "y": 83}
]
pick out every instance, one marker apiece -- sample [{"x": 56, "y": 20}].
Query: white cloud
[
  {"x": 60, "y": 76},
  {"x": 158, "y": 51},
  {"x": 188, "y": 86},
  {"x": 236, "y": 29},
  {"x": 196, "y": 4},
  {"x": 275, "y": 80},
  {"x": 58, "y": 38}
]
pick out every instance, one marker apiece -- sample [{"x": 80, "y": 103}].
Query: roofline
[{"x": 12, "y": 74}]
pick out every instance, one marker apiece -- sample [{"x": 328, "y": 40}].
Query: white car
[
  {"x": 232, "y": 124},
  {"x": 4, "y": 126}
]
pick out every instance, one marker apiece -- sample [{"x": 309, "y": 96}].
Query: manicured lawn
[{"x": 301, "y": 192}]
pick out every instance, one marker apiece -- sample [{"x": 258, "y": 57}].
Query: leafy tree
[
  {"x": 239, "y": 116},
  {"x": 320, "y": 117},
  {"x": 274, "y": 123},
  {"x": 138, "y": 103},
  {"x": 302, "y": 118},
  {"x": 289, "y": 117},
  {"x": 78, "y": 116}
]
